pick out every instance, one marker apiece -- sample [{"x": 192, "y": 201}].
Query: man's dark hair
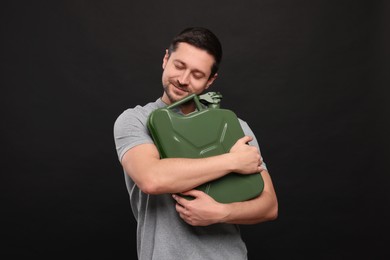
[{"x": 201, "y": 38}]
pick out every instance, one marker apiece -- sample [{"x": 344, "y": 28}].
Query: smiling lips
[{"x": 178, "y": 86}]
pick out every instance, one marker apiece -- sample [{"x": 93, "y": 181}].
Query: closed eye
[
  {"x": 198, "y": 75},
  {"x": 179, "y": 65}
]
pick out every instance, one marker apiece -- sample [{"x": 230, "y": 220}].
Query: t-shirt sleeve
[
  {"x": 130, "y": 130},
  {"x": 248, "y": 131}
]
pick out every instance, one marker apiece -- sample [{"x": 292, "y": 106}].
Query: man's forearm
[
  {"x": 174, "y": 175},
  {"x": 260, "y": 209}
]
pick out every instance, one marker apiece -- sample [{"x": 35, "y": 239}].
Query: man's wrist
[{"x": 226, "y": 210}]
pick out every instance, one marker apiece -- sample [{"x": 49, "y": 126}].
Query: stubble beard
[{"x": 169, "y": 89}]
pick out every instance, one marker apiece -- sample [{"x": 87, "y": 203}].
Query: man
[{"x": 169, "y": 226}]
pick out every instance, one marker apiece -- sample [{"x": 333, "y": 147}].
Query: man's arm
[
  {"x": 172, "y": 175},
  {"x": 204, "y": 210}
]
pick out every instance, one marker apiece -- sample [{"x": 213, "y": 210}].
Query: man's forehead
[
  {"x": 188, "y": 48},
  {"x": 192, "y": 55}
]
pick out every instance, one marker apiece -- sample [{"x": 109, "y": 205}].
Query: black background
[{"x": 310, "y": 78}]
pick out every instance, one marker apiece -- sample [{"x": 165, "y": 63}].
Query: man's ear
[
  {"x": 165, "y": 59},
  {"x": 211, "y": 80}
]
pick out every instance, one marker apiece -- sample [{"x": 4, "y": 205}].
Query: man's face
[{"x": 186, "y": 71}]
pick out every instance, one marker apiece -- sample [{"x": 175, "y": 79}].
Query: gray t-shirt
[{"x": 161, "y": 233}]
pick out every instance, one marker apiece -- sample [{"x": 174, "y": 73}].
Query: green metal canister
[{"x": 208, "y": 131}]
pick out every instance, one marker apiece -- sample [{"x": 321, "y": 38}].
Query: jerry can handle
[{"x": 186, "y": 99}]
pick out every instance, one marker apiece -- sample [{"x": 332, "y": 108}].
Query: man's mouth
[{"x": 179, "y": 87}]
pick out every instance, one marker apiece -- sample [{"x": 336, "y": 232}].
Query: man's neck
[{"x": 187, "y": 108}]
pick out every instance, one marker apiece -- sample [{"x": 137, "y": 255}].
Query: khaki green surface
[{"x": 209, "y": 131}]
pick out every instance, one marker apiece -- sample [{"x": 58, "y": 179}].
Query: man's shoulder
[
  {"x": 142, "y": 111},
  {"x": 242, "y": 122}
]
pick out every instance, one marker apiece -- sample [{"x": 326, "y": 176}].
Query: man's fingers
[
  {"x": 193, "y": 193},
  {"x": 180, "y": 200},
  {"x": 245, "y": 139}
]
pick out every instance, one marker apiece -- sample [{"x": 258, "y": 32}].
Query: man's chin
[{"x": 176, "y": 96}]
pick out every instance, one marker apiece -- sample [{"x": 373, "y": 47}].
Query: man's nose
[{"x": 184, "y": 78}]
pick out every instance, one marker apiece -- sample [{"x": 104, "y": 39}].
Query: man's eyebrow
[{"x": 180, "y": 61}]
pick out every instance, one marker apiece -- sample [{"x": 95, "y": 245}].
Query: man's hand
[
  {"x": 248, "y": 157},
  {"x": 202, "y": 210}
]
